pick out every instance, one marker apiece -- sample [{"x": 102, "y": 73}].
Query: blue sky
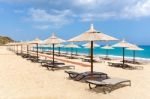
[{"x": 29, "y": 19}]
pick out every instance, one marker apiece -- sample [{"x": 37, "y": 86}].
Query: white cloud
[
  {"x": 42, "y": 27},
  {"x": 92, "y": 4},
  {"x": 22, "y": 1},
  {"x": 97, "y": 16},
  {"x": 53, "y": 17},
  {"x": 66, "y": 11},
  {"x": 140, "y": 9}
]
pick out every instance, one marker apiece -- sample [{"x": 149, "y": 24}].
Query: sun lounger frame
[
  {"x": 106, "y": 86},
  {"x": 75, "y": 75}
]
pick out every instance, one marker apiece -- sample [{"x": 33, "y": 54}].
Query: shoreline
[{"x": 103, "y": 55}]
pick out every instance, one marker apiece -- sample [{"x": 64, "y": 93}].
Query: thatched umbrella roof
[
  {"x": 123, "y": 44},
  {"x": 107, "y": 47},
  {"x": 135, "y": 47},
  {"x": 59, "y": 45},
  {"x": 53, "y": 40},
  {"x": 88, "y": 45},
  {"x": 92, "y": 35},
  {"x": 72, "y": 45},
  {"x": 35, "y": 41}
]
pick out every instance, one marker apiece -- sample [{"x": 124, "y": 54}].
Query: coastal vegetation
[{"x": 5, "y": 40}]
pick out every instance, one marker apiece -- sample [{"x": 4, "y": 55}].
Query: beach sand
[{"x": 22, "y": 79}]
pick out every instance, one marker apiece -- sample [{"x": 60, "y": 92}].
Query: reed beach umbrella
[
  {"x": 36, "y": 41},
  {"x": 12, "y": 45},
  {"x": 72, "y": 46},
  {"x": 27, "y": 44},
  {"x": 88, "y": 45},
  {"x": 90, "y": 36},
  {"x": 134, "y": 48},
  {"x": 123, "y": 44},
  {"x": 16, "y": 46},
  {"x": 107, "y": 48},
  {"x": 53, "y": 40},
  {"x": 21, "y": 43},
  {"x": 59, "y": 46}
]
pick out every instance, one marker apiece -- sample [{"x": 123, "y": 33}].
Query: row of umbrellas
[{"x": 89, "y": 36}]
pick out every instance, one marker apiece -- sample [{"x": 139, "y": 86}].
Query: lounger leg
[
  {"x": 52, "y": 69},
  {"x": 47, "y": 67},
  {"x": 129, "y": 83},
  {"x": 110, "y": 88},
  {"x": 79, "y": 78},
  {"x": 104, "y": 90},
  {"x": 70, "y": 75},
  {"x": 90, "y": 86}
]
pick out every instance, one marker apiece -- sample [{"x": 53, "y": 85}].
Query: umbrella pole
[
  {"x": 37, "y": 51},
  {"x": 89, "y": 53},
  {"x": 123, "y": 56},
  {"x": 71, "y": 51},
  {"x": 59, "y": 50},
  {"x": 21, "y": 48},
  {"x": 134, "y": 56},
  {"x": 53, "y": 54},
  {"x": 76, "y": 51},
  {"x": 17, "y": 49},
  {"x": 106, "y": 53},
  {"x": 66, "y": 51},
  {"x": 91, "y": 57},
  {"x": 13, "y": 48},
  {"x": 27, "y": 49}
]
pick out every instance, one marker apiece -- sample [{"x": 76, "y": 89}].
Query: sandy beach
[{"x": 22, "y": 79}]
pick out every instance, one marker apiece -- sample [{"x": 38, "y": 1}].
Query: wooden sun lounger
[
  {"x": 79, "y": 76},
  {"x": 87, "y": 59},
  {"x": 25, "y": 55},
  {"x": 31, "y": 57},
  {"x": 132, "y": 62},
  {"x": 108, "y": 84},
  {"x": 118, "y": 65},
  {"x": 105, "y": 58},
  {"x": 114, "y": 64},
  {"x": 125, "y": 66},
  {"x": 71, "y": 57},
  {"x": 43, "y": 61},
  {"x": 59, "y": 66}
]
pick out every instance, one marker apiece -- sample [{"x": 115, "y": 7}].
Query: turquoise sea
[{"x": 115, "y": 52}]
